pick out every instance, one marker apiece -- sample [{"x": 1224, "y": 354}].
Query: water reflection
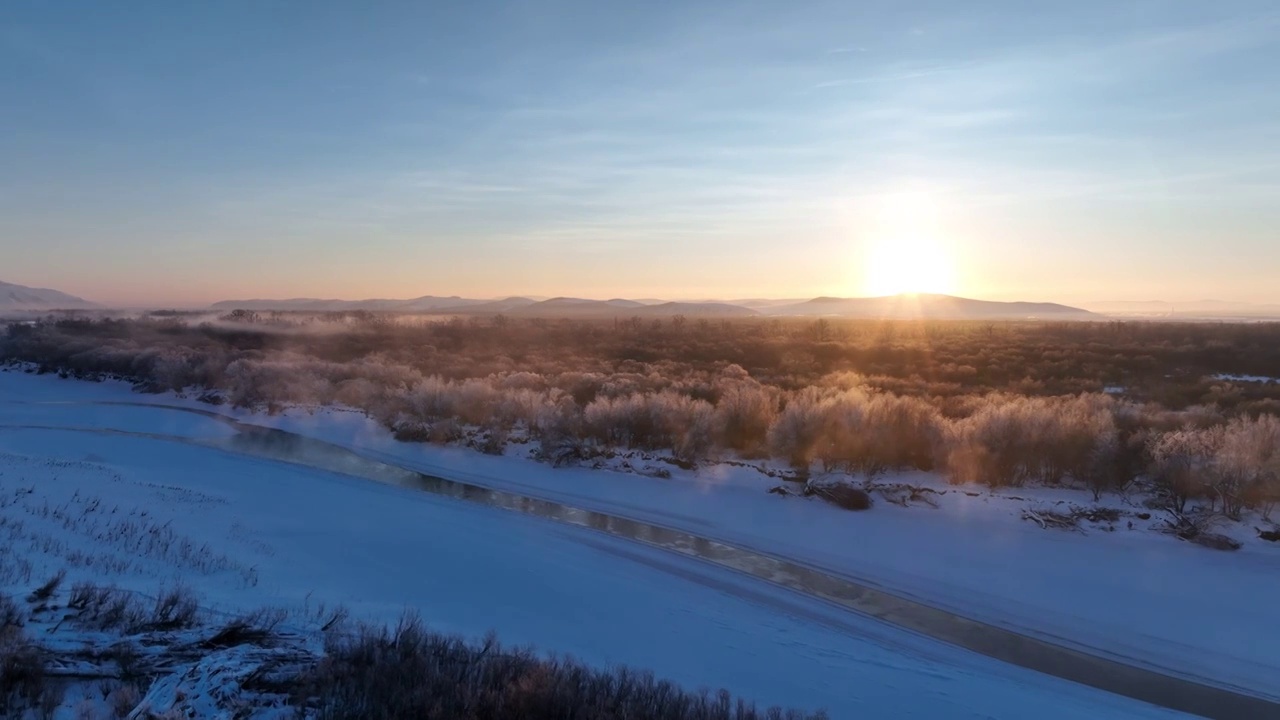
[{"x": 288, "y": 447}]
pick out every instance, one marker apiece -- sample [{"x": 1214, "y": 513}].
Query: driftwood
[
  {"x": 1216, "y": 541},
  {"x": 845, "y": 496},
  {"x": 838, "y": 491},
  {"x": 1194, "y": 528},
  {"x": 1070, "y": 520},
  {"x": 904, "y": 494},
  {"x": 1049, "y": 519}
]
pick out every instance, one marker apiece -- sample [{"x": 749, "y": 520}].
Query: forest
[{"x": 1191, "y": 408}]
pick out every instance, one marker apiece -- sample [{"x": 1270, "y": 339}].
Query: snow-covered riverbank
[{"x": 290, "y": 534}]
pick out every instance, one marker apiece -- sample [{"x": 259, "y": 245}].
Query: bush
[
  {"x": 106, "y": 608},
  {"x": 411, "y": 672},
  {"x": 11, "y": 616},
  {"x": 22, "y": 673},
  {"x": 1000, "y": 403},
  {"x": 1010, "y": 440},
  {"x": 175, "y": 609},
  {"x": 1248, "y": 465},
  {"x": 743, "y": 415},
  {"x": 254, "y": 627},
  {"x": 1182, "y": 462},
  {"x": 123, "y": 699},
  {"x": 803, "y": 422},
  {"x": 46, "y": 591}
]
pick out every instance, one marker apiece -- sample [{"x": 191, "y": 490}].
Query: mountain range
[
  {"x": 514, "y": 306},
  {"x": 21, "y": 299},
  {"x": 426, "y": 303},
  {"x": 926, "y": 306},
  {"x": 896, "y": 306}
]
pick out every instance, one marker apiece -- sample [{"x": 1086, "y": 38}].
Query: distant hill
[
  {"x": 426, "y": 303},
  {"x": 569, "y": 307},
  {"x": 764, "y": 303},
  {"x": 18, "y": 297},
  {"x": 928, "y": 306},
  {"x": 695, "y": 309},
  {"x": 579, "y": 308},
  {"x": 899, "y": 306},
  {"x": 505, "y": 305},
  {"x": 1197, "y": 309},
  {"x": 429, "y": 303}
]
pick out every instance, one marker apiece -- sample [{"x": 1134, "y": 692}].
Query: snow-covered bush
[
  {"x": 744, "y": 412},
  {"x": 803, "y": 422},
  {"x": 1010, "y": 440},
  {"x": 1183, "y": 463},
  {"x": 1248, "y": 464},
  {"x": 1002, "y": 404}
]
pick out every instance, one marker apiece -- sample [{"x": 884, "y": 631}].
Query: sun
[
  {"x": 908, "y": 264},
  {"x": 905, "y": 252}
]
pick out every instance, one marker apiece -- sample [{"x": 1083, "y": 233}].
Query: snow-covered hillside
[{"x": 17, "y": 297}]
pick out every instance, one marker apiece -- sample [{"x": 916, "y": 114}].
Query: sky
[{"x": 158, "y": 153}]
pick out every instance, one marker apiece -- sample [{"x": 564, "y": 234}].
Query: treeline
[
  {"x": 1173, "y": 364},
  {"x": 554, "y": 382}
]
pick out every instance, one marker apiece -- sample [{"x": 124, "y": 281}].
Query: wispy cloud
[{"x": 690, "y": 128}]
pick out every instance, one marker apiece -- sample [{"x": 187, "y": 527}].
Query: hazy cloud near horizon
[{"x": 155, "y": 153}]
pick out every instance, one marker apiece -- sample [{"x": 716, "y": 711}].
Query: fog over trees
[{"x": 1002, "y": 404}]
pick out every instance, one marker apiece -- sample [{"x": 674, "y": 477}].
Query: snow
[
  {"x": 470, "y": 569},
  {"x": 1246, "y": 378},
  {"x": 284, "y": 535},
  {"x": 205, "y": 688},
  {"x": 1136, "y": 595}
]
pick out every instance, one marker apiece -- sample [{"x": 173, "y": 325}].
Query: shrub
[
  {"x": 123, "y": 699},
  {"x": 803, "y": 422},
  {"x": 22, "y": 673},
  {"x": 495, "y": 441},
  {"x": 1009, "y": 440},
  {"x": 695, "y": 439},
  {"x": 11, "y": 616},
  {"x": 411, "y": 672},
  {"x": 46, "y": 591},
  {"x": 106, "y": 608},
  {"x": 743, "y": 415},
  {"x": 1182, "y": 463},
  {"x": 175, "y": 609},
  {"x": 1001, "y": 403},
  {"x": 1247, "y": 464},
  {"x": 254, "y": 627}
]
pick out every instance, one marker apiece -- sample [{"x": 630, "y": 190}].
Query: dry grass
[
  {"x": 22, "y": 664},
  {"x": 411, "y": 672},
  {"x": 367, "y": 672}
]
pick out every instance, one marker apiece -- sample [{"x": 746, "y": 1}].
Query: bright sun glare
[{"x": 906, "y": 253}]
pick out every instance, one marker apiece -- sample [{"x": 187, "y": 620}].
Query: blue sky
[{"x": 156, "y": 152}]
